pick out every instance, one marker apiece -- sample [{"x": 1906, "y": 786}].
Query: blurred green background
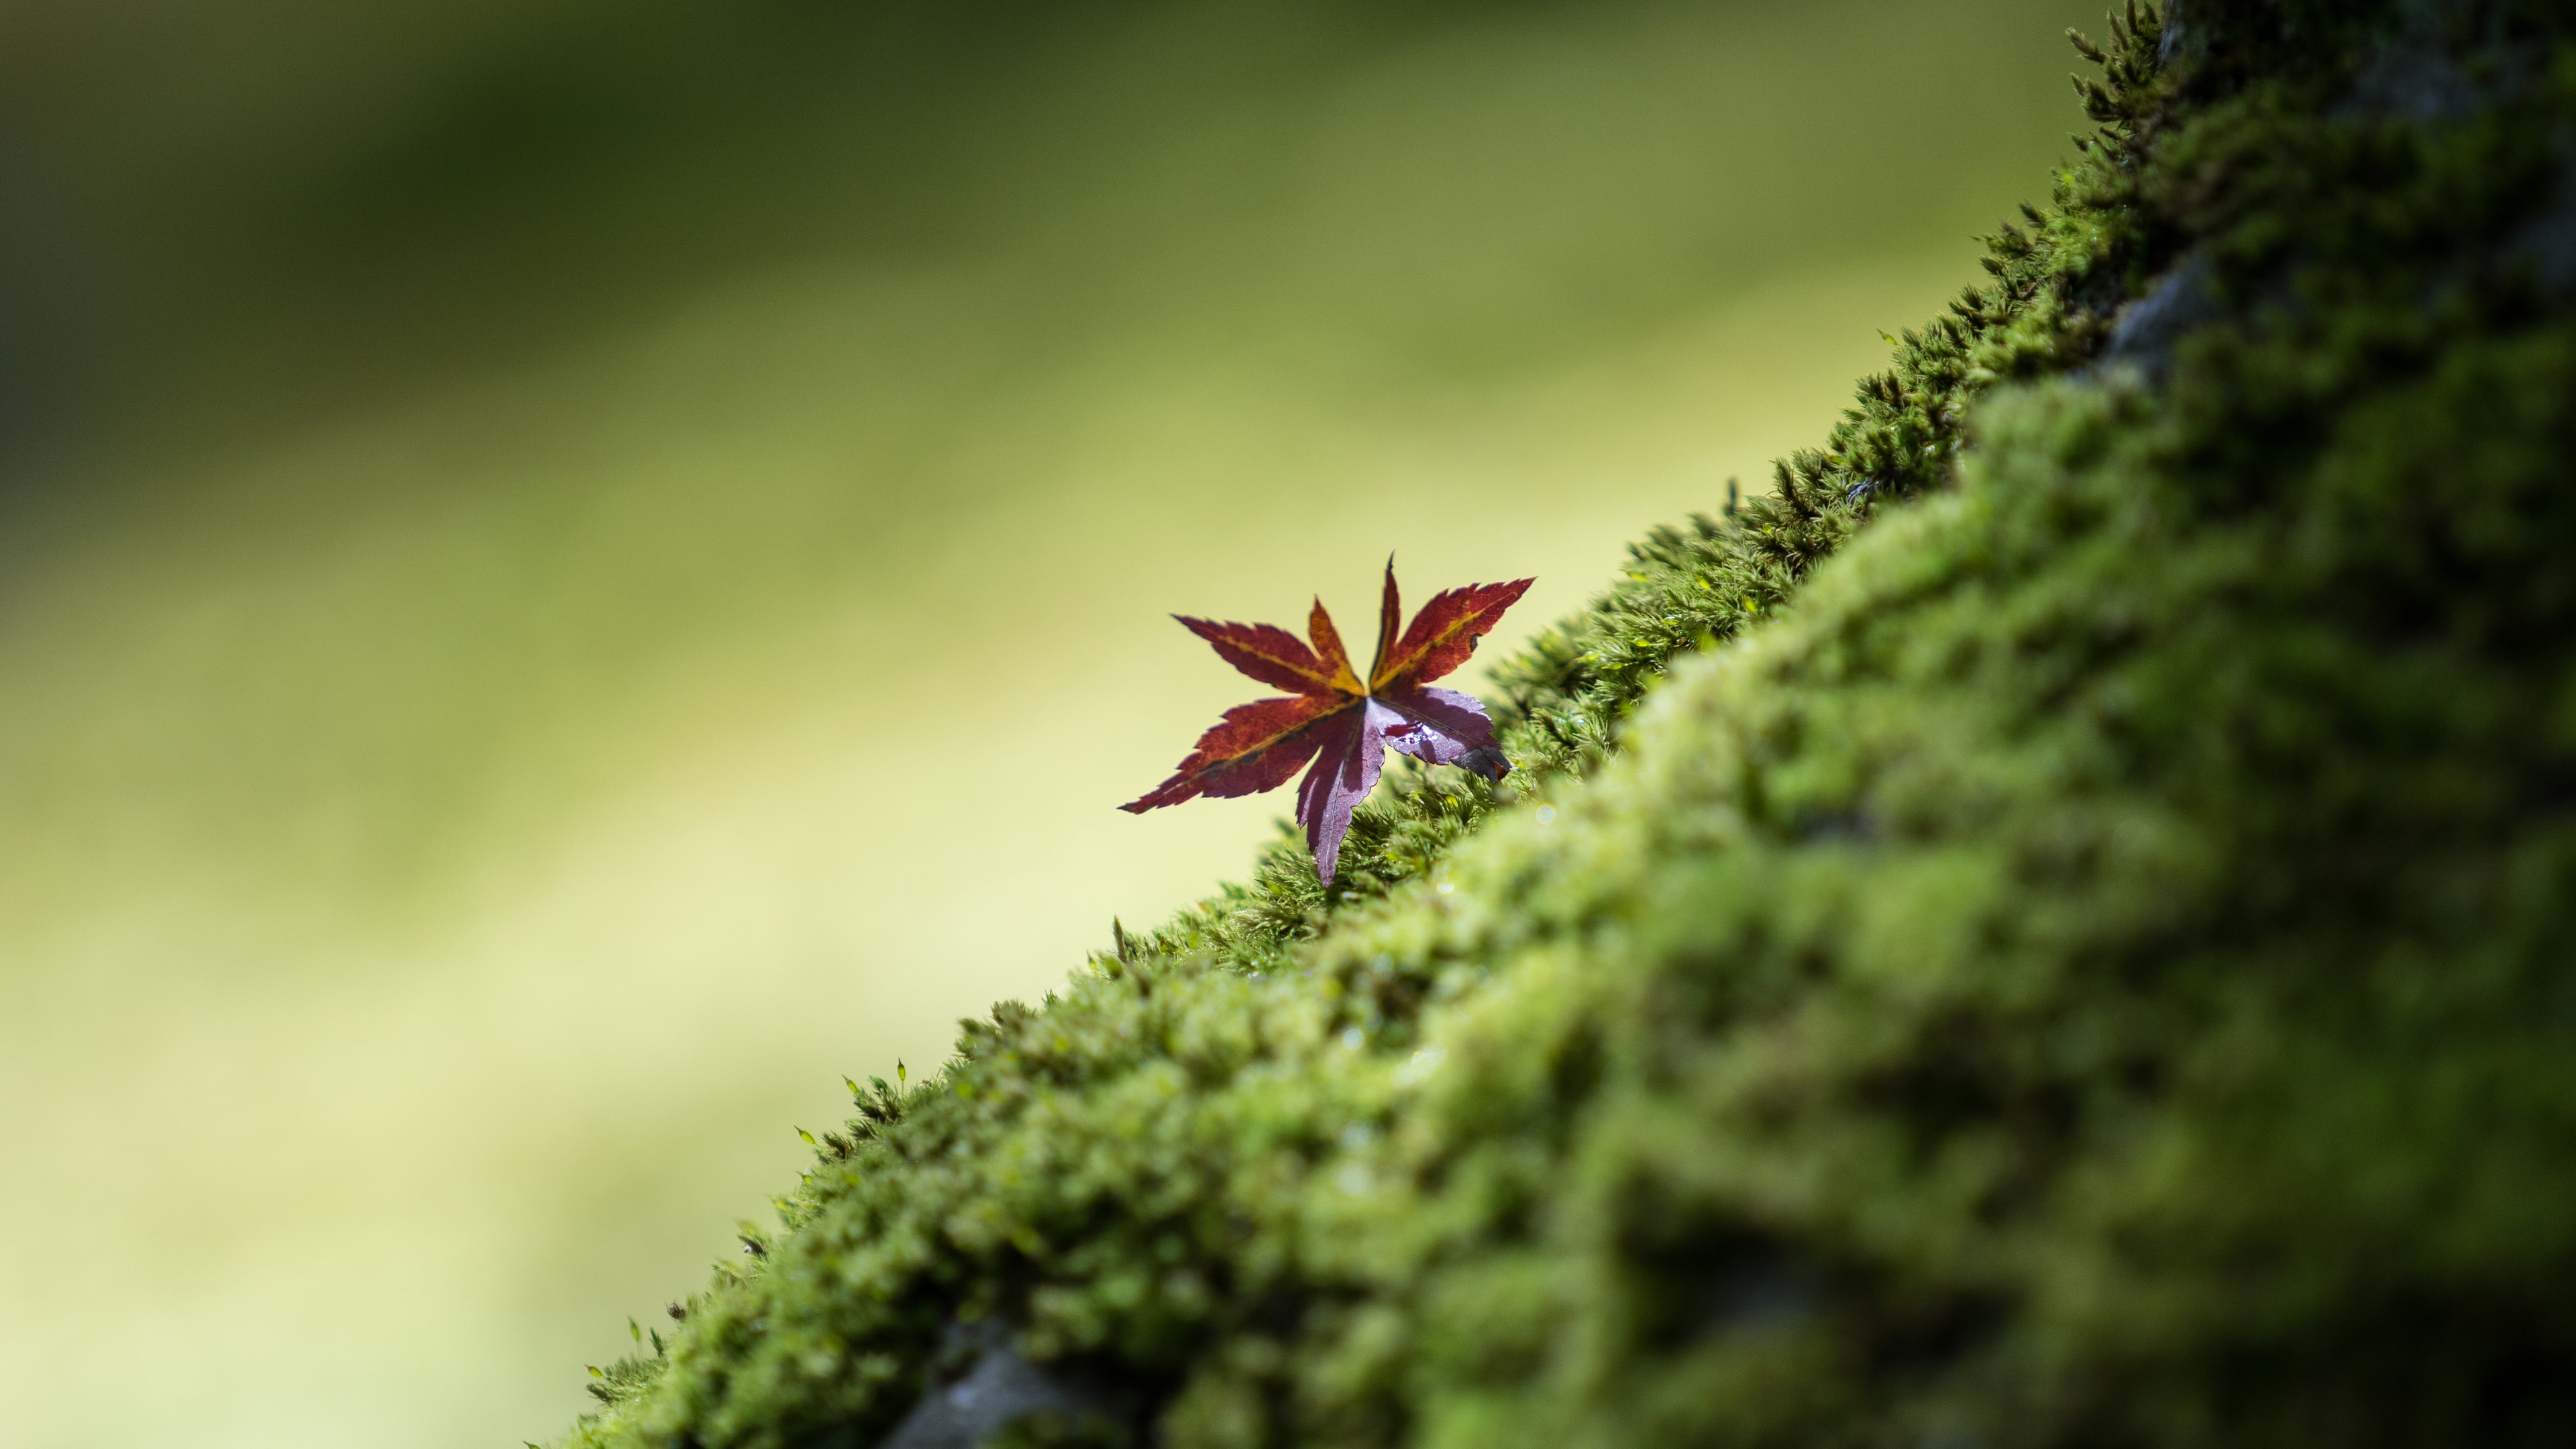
[{"x": 571, "y": 572}]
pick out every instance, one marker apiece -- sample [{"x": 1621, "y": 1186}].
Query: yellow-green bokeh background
[{"x": 571, "y": 572}]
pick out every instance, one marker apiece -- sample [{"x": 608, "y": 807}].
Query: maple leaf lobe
[
  {"x": 1267, "y": 653},
  {"x": 1390, "y": 614},
  {"x": 1252, "y": 748},
  {"x": 1328, "y": 647},
  {"x": 1445, "y": 632}
]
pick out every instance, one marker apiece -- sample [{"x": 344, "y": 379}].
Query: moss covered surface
[{"x": 2052, "y": 929}]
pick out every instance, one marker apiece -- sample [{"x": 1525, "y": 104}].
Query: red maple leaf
[{"x": 1343, "y": 725}]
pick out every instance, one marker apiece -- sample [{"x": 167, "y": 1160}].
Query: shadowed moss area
[{"x": 2051, "y": 929}]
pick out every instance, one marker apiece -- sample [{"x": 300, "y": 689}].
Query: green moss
[{"x": 2085, "y": 965}]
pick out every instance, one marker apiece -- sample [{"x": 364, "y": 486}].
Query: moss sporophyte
[{"x": 1338, "y": 720}]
